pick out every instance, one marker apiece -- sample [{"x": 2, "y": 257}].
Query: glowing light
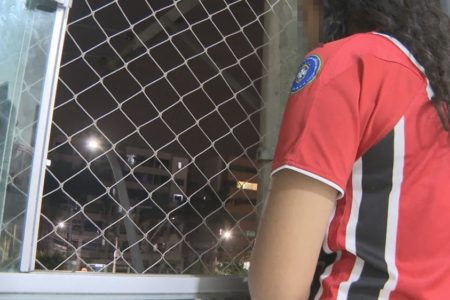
[
  {"x": 93, "y": 144},
  {"x": 61, "y": 225},
  {"x": 245, "y": 185},
  {"x": 227, "y": 234}
]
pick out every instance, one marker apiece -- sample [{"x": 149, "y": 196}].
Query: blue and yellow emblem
[{"x": 307, "y": 73}]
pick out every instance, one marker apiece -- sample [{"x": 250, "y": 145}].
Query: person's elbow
[{"x": 264, "y": 286}]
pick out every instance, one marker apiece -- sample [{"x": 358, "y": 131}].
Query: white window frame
[
  {"x": 108, "y": 286},
  {"x": 31, "y": 284}
]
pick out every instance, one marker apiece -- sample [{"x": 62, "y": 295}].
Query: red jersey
[{"x": 360, "y": 119}]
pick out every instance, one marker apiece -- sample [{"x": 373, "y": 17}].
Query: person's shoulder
[
  {"x": 354, "y": 50},
  {"x": 359, "y": 45}
]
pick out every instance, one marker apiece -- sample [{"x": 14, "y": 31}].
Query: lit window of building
[{"x": 244, "y": 185}]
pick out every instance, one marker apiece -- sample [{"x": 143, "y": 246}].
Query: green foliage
[
  {"x": 231, "y": 268},
  {"x": 50, "y": 261}
]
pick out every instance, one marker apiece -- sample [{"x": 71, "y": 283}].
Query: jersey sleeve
[
  {"x": 345, "y": 98},
  {"x": 321, "y": 128}
]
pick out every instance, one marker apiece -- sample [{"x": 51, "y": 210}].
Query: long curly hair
[{"x": 418, "y": 24}]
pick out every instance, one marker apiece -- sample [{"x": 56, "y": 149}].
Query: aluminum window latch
[
  {"x": 64, "y": 3},
  {"x": 48, "y": 5}
]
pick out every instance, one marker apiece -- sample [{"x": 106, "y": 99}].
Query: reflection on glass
[{"x": 23, "y": 55}]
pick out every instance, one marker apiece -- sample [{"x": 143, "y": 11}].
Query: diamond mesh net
[{"x": 155, "y": 136}]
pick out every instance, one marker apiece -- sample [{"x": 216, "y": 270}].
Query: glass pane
[{"x": 25, "y": 28}]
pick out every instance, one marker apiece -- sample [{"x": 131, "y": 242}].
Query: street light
[
  {"x": 227, "y": 235},
  {"x": 94, "y": 144},
  {"x": 67, "y": 235}
]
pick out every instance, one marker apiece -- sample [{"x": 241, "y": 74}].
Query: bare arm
[{"x": 290, "y": 236}]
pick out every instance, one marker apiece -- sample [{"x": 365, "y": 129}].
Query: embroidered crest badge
[{"x": 307, "y": 73}]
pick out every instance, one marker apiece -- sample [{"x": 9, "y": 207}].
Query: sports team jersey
[{"x": 360, "y": 119}]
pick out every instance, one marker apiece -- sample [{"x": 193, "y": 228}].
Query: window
[{"x": 244, "y": 185}]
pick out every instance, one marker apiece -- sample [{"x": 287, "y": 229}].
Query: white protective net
[{"x": 155, "y": 137}]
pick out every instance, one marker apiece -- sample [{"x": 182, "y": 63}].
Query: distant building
[
  {"x": 94, "y": 224},
  {"x": 176, "y": 236}
]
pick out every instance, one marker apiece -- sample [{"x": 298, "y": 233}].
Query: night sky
[
  {"x": 183, "y": 80},
  {"x": 191, "y": 90}
]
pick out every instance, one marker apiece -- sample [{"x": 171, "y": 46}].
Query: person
[{"x": 363, "y": 161}]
